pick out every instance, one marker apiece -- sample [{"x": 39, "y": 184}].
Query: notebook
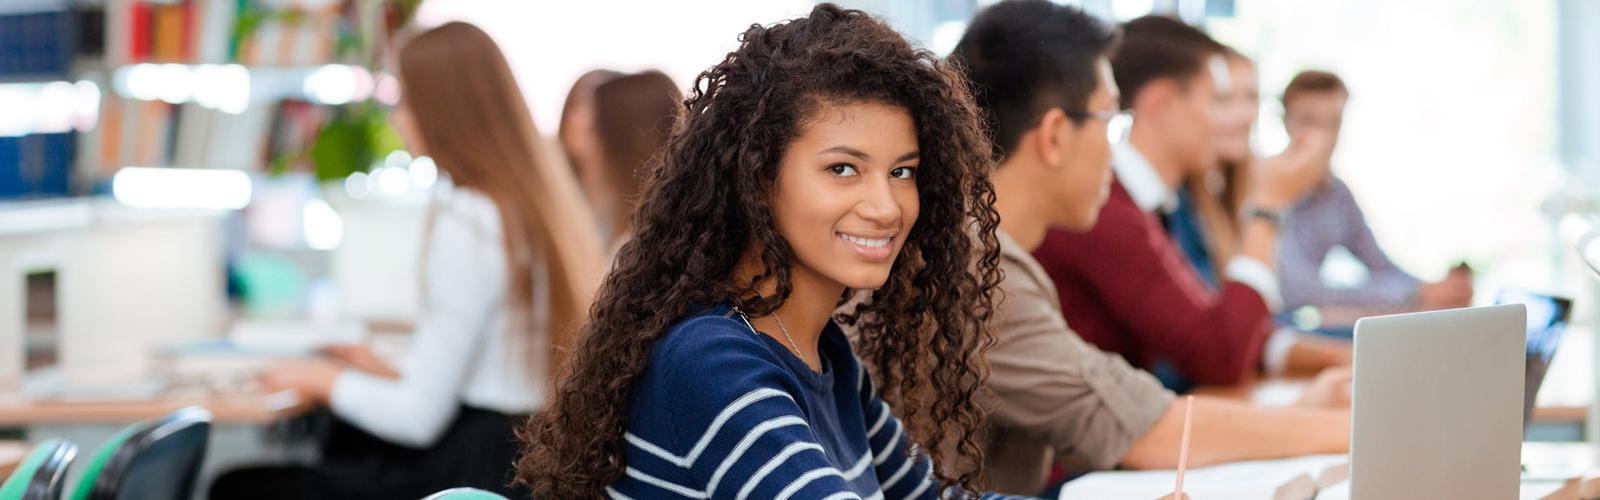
[{"x": 1298, "y": 478}]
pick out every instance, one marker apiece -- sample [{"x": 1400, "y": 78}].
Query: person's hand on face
[
  {"x": 1279, "y": 180},
  {"x": 846, "y": 194}
]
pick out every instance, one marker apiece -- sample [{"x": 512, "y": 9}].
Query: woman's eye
[
  {"x": 842, "y": 169},
  {"x": 904, "y": 173}
]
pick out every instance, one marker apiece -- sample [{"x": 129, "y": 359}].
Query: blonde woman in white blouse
[{"x": 510, "y": 261}]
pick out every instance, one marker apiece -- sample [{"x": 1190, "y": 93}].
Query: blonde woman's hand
[
  {"x": 312, "y": 379},
  {"x": 360, "y": 357}
]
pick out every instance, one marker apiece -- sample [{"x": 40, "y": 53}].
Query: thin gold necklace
[{"x": 792, "y": 345}]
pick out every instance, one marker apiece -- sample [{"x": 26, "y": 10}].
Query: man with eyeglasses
[
  {"x": 1126, "y": 284},
  {"x": 1043, "y": 82}
]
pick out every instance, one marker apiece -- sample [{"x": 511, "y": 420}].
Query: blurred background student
[
  {"x": 1219, "y": 194},
  {"x": 576, "y": 134},
  {"x": 1327, "y": 217},
  {"x": 508, "y": 272},
  {"x": 632, "y": 116}
]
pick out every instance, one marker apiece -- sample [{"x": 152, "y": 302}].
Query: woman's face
[
  {"x": 1236, "y": 114},
  {"x": 846, "y": 193}
]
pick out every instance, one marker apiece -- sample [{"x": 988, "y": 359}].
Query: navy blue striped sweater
[{"x": 725, "y": 412}]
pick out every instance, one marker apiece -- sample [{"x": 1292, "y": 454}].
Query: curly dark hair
[{"x": 705, "y": 204}]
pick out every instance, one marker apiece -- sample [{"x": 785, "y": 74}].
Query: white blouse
[{"x": 461, "y": 351}]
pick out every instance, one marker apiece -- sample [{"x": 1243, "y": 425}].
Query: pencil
[{"x": 1183, "y": 446}]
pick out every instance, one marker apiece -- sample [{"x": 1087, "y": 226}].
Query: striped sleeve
[
  {"x": 732, "y": 429},
  {"x": 901, "y": 476}
]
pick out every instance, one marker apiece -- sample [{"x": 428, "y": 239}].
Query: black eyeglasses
[{"x": 1118, "y": 123}]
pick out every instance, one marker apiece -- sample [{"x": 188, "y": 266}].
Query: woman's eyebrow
[
  {"x": 863, "y": 156},
  {"x": 859, "y": 154}
]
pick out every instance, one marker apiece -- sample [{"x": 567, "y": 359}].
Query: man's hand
[
  {"x": 1455, "y": 290},
  {"x": 1331, "y": 389}
]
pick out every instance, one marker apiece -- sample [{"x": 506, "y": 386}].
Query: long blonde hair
[{"x": 472, "y": 118}]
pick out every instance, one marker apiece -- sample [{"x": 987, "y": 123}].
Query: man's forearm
[{"x": 1228, "y": 431}]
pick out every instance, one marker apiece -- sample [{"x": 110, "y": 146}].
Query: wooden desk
[
  {"x": 11, "y": 454},
  {"x": 224, "y": 408}
]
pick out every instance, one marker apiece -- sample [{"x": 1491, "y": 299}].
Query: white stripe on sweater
[
  {"x": 883, "y": 455},
  {"x": 755, "y": 479},
  {"x": 883, "y": 417},
  {"x": 927, "y": 480},
  {"x": 663, "y": 484},
  {"x": 859, "y": 468},
  {"x": 805, "y": 479},
  {"x": 744, "y": 445},
  {"x": 711, "y": 431},
  {"x": 904, "y": 468}
]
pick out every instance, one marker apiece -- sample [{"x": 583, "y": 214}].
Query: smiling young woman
[{"x": 824, "y": 156}]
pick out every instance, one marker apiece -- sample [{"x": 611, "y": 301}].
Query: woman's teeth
[{"x": 866, "y": 242}]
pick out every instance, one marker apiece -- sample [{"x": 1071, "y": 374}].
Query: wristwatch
[{"x": 1277, "y": 217}]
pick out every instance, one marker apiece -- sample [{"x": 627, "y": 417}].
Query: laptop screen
[{"x": 1547, "y": 321}]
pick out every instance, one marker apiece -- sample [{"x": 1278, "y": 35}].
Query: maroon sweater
[{"x": 1126, "y": 287}]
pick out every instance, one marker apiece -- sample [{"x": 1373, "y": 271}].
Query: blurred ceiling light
[
  {"x": 946, "y": 35},
  {"x": 48, "y": 108},
  {"x": 391, "y": 181},
  {"x": 181, "y": 188},
  {"x": 1124, "y": 10},
  {"x": 356, "y": 185},
  {"x": 174, "y": 83},
  {"x": 424, "y": 173},
  {"x": 397, "y": 159},
  {"x": 1573, "y": 227},
  {"x": 224, "y": 87},
  {"x": 324, "y": 230},
  {"x": 338, "y": 84},
  {"x": 387, "y": 90}
]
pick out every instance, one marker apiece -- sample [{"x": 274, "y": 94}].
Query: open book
[{"x": 1297, "y": 478}]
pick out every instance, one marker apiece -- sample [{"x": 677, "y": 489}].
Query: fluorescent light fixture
[{"x": 217, "y": 189}]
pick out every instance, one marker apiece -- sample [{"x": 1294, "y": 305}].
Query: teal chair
[
  {"x": 149, "y": 461},
  {"x": 464, "y": 494},
  {"x": 42, "y": 474}
]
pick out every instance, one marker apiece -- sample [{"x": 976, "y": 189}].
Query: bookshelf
[{"x": 218, "y": 84}]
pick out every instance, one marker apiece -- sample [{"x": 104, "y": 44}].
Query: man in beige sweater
[{"x": 1042, "y": 78}]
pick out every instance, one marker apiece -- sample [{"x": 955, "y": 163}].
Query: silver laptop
[{"x": 1438, "y": 400}]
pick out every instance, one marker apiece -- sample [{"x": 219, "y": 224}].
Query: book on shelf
[{"x": 43, "y": 165}]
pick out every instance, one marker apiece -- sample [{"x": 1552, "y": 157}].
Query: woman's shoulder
[
  {"x": 467, "y": 207},
  {"x": 706, "y": 334}
]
